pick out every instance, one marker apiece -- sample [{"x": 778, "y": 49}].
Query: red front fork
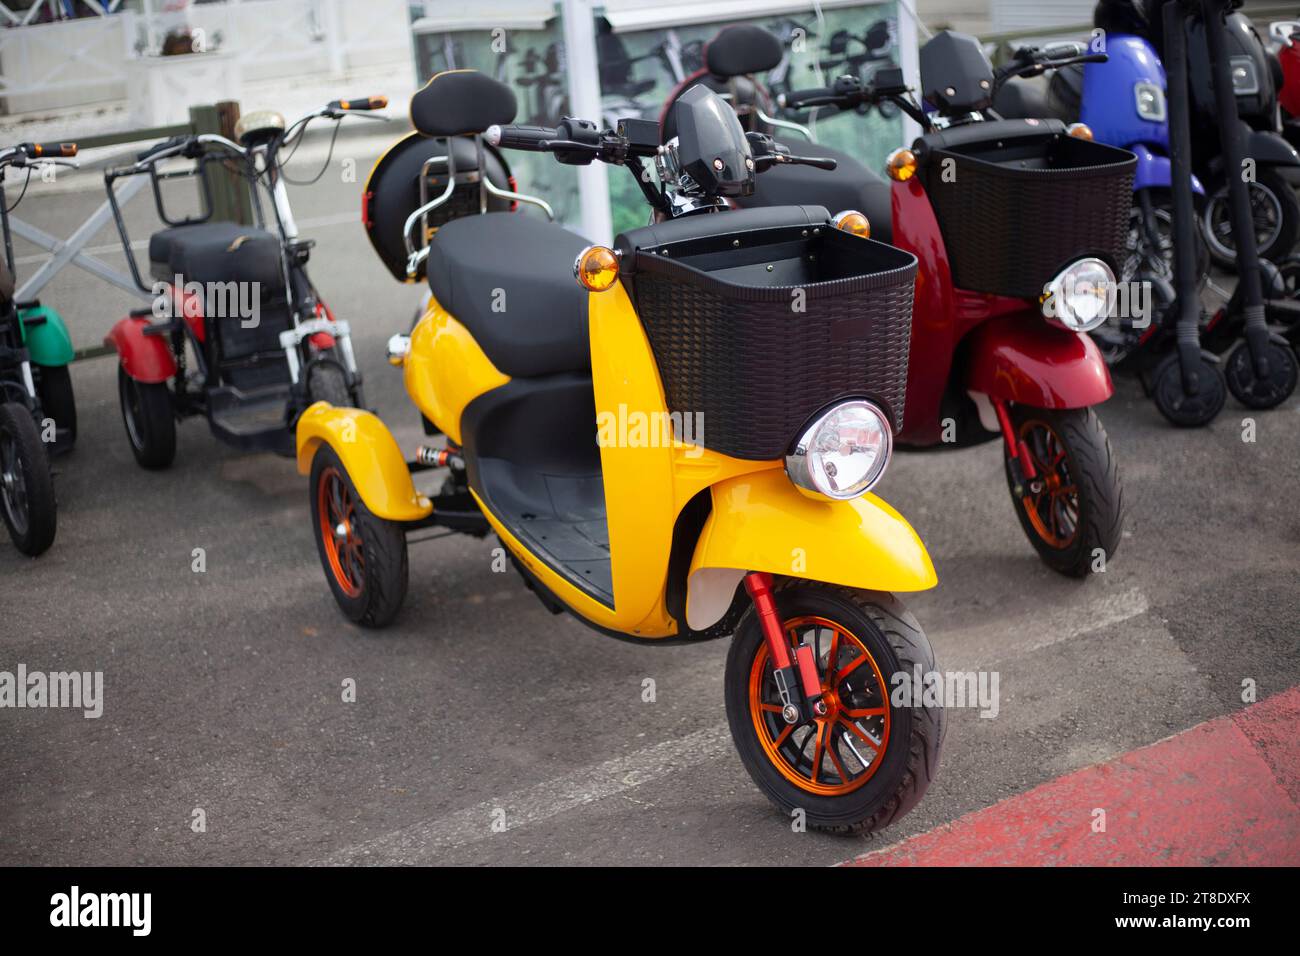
[
  {"x": 801, "y": 699},
  {"x": 1022, "y": 464}
]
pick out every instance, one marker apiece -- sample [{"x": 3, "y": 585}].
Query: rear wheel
[
  {"x": 869, "y": 760},
  {"x": 26, "y": 488},
  {"x": 1274, "y": 209},
  {"x": 54, "y": 386},
  {"x": 364, "y": 556},
  {"x": 150, "y": 423},
  {"x": 1072, "y": 510}
]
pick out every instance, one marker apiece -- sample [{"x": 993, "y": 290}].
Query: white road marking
[
  {"x": 543, "y": 801},
  {"x": 973, "y": 648},
  {"x": 983, "y": 643}
]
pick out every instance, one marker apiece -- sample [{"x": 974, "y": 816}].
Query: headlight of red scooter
[
  {"x": 843, "y": 451},
  {"x": 1079, "y": 297}
]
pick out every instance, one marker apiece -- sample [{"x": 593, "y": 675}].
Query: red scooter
[{"x": 1018, "y": 226}]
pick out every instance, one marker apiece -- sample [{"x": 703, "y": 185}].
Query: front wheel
[
  {"x": 871, "y": 758},
  {"x": 1072, "y": 509},
  {"x": 26, "y": 488},
  {"x": 364, "y": 556}
]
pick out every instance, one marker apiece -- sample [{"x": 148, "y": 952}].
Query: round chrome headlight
[
  {"x": 1078, "y": 298},
  {"x": 843, "y": 451}
]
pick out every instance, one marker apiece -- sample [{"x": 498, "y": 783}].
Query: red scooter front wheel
[{"x": 1071, "y": 502}]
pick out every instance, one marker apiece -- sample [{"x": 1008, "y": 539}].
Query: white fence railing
[{"x": 80, "y": 62}]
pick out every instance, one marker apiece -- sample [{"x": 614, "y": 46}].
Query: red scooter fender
[
  {"x": 1021, "y": 357},
  {"x": 145, "y": 358}
]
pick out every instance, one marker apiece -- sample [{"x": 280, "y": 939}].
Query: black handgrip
[
  {"x": 360, "y": 103},
  {"x": 160, "y": 147},
  {"x": 48, "y": 150},
  {"x": 820, "y": 162},
  {"x": 534, "y": 138},
  {"x": 803, "y": 99}
]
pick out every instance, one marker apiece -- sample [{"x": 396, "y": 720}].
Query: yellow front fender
[
  {"x": 369, "y": 454},
  {"x": 761, "y": 522}
]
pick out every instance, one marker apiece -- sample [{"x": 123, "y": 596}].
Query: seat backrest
[
  {"x": 462, "y": 103},
  {"x": 742, "y": 49}
]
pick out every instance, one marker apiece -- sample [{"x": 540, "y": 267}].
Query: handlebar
[
  {"x": 164, "y": 146},
  {"x": 531, "y": 138},
  {"x": 359, "y": 103},
  {"x": 48, "y": 150}
]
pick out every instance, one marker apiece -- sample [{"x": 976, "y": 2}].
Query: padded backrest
[
  {"x": 461, "y": 102},
  {"x": 741, "y": 49}
]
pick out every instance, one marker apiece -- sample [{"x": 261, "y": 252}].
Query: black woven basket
[
  {"x": 1014, "y": 215},
  {"x": 732, "y": 345}
]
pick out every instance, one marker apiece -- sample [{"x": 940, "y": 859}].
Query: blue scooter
[{"x": 1123, "y": 102}]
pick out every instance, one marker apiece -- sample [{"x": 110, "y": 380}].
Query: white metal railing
[{"x": 70, "y": 62}]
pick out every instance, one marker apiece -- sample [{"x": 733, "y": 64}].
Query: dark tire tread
[{"x": 927, "y": 725}]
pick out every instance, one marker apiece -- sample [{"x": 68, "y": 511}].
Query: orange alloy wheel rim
[
  {"x": 838, "y": 753},
  {"x": 338, "y": 530},
  {"x": 1054, "y": 509}
]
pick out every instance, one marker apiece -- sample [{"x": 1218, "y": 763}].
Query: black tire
[
  {"x": 1089, "y": 466},
  {"x": 897, "y": 644},
  {"x": 54, "y": 386},
  {"x": 1179, "y": 408},
  {"x": 149, "y": 420},
  {"x": 370, "y": 585},
  {"x": 327, "y": 383},
  {"x": 1266, "y": 392},
  {"x": 1270, "y": 192},
  {"x": 26, "y": 488}
]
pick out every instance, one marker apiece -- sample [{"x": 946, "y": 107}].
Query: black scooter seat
[
  {"x": 508, "y": 279},
  {"x": 217, "y": 252},
  {"x": 850, "y": 185}
]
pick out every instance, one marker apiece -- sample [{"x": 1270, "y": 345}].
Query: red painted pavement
[{"x": 1225, "y": 792}]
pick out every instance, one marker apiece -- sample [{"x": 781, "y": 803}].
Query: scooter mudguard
[
  {"x": 1154, "y": 171},
  {"x": 46, "y": 337},
  {"x": 1270, "y": 149},
  {"x": 1025, "y": 359},
  {"x": 370, "y": 456},
  {"x": 145, "y": 358},
  {"x": 762, "y": 522}
]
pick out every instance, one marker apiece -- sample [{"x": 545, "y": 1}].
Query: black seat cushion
[
  {"x": 1021, "y": 98},
  {"x": 850, "y": 185},
  {"x": 523, "y": 267},
  {"x": 219, "y": 252},
  {"x": 742, "y": 49},
  {"x": 461, "y": 103}
]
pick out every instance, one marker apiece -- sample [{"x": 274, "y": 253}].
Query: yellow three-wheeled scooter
[{"x": 677, "y": 446}]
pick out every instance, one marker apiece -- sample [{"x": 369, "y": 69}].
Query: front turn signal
[
  {"x": 901, "y": 165},
  {"x": 854, "y": 223},
  {"x": 596, "y": 268},
  {"x": 1080, "y": 131}
]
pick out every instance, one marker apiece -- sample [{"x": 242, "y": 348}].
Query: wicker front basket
[
  {"x": 1013, "y": 216},
  {"x": 732, "y": 344}
]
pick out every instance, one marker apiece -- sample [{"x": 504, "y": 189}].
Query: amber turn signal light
[
  {"x": 596, "y": 268},
  {"x": 854, "y": 223},
  {"x": 901, "y": 165},
  {"x": 1079, "y": 131}
]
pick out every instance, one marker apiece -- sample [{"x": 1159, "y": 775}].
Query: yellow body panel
[
  {"x": 761, "y": 522},
  {"x": 369, "y": 454},
  {"x": 445, "y": 369}
]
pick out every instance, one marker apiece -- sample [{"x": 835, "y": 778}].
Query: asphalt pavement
[{"x": 485, "y": 730}]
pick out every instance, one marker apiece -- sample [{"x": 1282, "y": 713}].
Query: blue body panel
[{"x": 1109, "y": 108}]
